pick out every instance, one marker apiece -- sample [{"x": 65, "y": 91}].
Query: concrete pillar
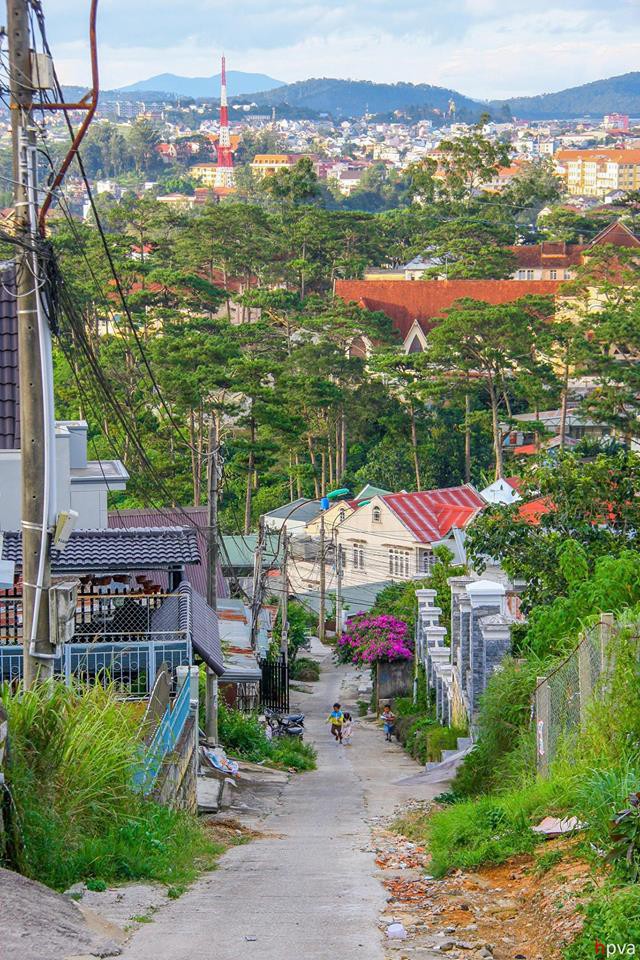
[
  {"x": 496, "y": 631},
  {"x": 458, "y": 592},
  {"x": 463, "y": 658},
  {"x": 486, "y": 598}
]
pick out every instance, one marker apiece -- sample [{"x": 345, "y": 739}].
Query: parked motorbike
[{"x": 285, "y": 724}]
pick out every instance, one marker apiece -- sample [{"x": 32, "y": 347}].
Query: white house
[
  {"x": 81, "y": 484},
  {"x": 505, "y": 490},
  {"x": 391, "y": 536},
  {"x": 394, "y": 535}
]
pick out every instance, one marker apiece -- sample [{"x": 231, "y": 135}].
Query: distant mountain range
[
  {"x": 238, "y": 83},
  {"x": 348, "y": 98},
  {"x": 615, "y": 95},
  {"x": 353, "y": 98}
]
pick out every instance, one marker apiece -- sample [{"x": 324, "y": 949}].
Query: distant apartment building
[
  {"x": 205, "y": 173},
  {"x": 617, "y": 121},
  {"x": 265, "y": 164},
  {"x": 595, "y": 173}
]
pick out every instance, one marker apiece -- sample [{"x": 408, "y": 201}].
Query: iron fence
[
  {"x": 131, "y": 666},
  {"x": 274, "y": 686}
]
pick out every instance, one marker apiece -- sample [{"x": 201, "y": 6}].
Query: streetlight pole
[{"x": 321, "y": 612}]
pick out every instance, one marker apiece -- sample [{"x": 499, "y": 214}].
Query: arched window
[
  {"x": 375, "y": 515},
  {"x": 342, "y": 515}
]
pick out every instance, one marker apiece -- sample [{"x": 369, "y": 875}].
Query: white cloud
[{"x": 483, "y": 48}]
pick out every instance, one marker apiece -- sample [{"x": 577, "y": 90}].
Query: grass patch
[
  {"x": 611, "y": 916},
  {"x": 244, "y": 738},
  {"x": 305, "y": 669},
  {"x": 490, "y": 829},
  {"x": 292, "y": 754},
  {"x": 73, "y": 751}
]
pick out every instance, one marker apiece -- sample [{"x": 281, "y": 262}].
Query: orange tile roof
[
  {"x": 405, "y": 301},
  {"x": 612, "y": 156},
  {"x": 533, "y": 511}
]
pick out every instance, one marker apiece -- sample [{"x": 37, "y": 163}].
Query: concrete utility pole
[
  {"x": 213, "y": 476},
  {"x": 37, "y": 427},
  {"x": 338, "y": 550},
  {"x": 284, "y": 628},
  {"x": 323, "y": 587},
  {"x": 256, "y": 598}
]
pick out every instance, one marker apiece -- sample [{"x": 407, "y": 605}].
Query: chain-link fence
[{"x": 562, "y": 698}]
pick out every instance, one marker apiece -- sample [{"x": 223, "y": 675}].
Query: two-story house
[{"x": 393, "y": 536}]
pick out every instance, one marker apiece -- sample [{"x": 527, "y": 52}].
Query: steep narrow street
[{"x": 308, "y": 889}]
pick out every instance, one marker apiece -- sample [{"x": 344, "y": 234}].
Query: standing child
[
  {"x": 347, "y": 729},
  {"x": 388, "y": 720},
  {"x": 336, "y": 719}
]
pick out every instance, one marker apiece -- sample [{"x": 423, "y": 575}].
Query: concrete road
[{"x": 308, "y": 891}]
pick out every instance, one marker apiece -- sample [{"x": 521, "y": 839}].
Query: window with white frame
[
  {"x": 358, "y": 556},
  {"x": 398, "y": 562},
  {"x": 376, "y": 515},
  {"x": 426, "y": 561}
]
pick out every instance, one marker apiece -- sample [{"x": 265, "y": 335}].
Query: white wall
[{"x": 89, "y": 499}]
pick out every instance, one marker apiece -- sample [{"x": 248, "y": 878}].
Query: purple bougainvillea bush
[{"x": 367, "y": 640}]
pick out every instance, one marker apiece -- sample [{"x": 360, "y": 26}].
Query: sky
[{"x": 482, "y": 48}]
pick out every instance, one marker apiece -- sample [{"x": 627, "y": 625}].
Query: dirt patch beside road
[{"x": 515, "y": 911}]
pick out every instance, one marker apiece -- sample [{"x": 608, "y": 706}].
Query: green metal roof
[{"x": 239, "y": 550}]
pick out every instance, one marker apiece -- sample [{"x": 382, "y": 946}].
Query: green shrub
[
  {"x": 305, "y": 669},
  {"x": 293, "y": 753},
  {"x": 504, "y": 752},
  {"x": 612, "y": 916},
  {"x": 404, "y": 707},
  {"x": 244, "y": 738},
  {"x": 490, "y": 829},
  {"x": 73, "y": 752},
  {"x": 426, "y": 739},
  {"x": 242, "y": 735}
]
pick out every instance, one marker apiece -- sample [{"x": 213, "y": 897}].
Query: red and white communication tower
[{"x": 225, "y": 178}]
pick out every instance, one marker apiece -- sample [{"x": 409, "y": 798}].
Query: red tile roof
[
  {"x": 430, "y": 515},
  {"x": 548, "y": 256},
  {"x": 405, "y": 301}
]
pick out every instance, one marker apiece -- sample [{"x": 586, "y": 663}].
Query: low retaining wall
[
  {"x": 176, "y": 786},
  {"x": 394, "y": 679}
]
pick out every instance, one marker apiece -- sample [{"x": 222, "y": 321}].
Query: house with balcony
[
  {"x": 388, "y": 537},
  {"x": 393, "y": 536}
]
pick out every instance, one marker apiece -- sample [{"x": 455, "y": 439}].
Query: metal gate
[{"x": 274, "y": 686}]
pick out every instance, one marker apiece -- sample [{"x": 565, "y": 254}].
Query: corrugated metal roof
[
  {"x": 239, "y": 550},
  {"x": 186, "y": 610},
  {"x": 117, "y": 551},
  {"x": 430, "y": 515},
  {"x": 301, "y": 510},
  {"x": 195, "y": 573},
  {"x": 9, "y": 382}
]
